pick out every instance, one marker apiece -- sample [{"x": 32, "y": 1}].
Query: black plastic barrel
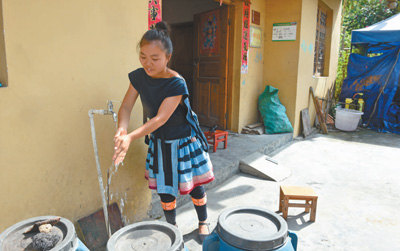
[
  {"x": 14, "y": 239},
  {"x": 147, "y": 236}
]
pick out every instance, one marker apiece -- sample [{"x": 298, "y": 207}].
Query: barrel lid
[
  {"x": 147, "y": 236},
  {"x": 14, "y": 239},
  {"x": 252, "y": 228}
]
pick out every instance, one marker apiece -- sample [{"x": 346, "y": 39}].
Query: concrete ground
[
  {"x": 356, "y": 176},
  {"x": 226, "y": 161}
]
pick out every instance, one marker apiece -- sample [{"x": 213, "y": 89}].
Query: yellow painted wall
[
  {"x": 306, "y": 57},
  {"x": 336, "y": 7},
  {"x": 305, "y": 77},
  {"x": 251, "y": 83},
  {"x": 64, "y": 58},
  {"x": 288, "y": 65},
  {"x": 281, "y": 59}
]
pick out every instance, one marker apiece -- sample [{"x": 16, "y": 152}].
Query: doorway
[{"x": 204, "y": 65}]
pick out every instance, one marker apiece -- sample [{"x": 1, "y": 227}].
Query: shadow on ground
[{"x": 365, "y": 136}]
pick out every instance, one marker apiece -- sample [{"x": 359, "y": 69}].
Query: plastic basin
[{"x": 347, "y": 119}]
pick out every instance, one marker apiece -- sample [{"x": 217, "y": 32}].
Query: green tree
[{"x": 357, "y": 15}]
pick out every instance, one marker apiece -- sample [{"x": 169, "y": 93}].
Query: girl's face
[{"x": 153, "y": 59}]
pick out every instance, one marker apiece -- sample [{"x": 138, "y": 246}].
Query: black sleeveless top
[{"x": 153, "y": 92}]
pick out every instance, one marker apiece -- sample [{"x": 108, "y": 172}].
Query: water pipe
[{"x": 91, "y": 112}]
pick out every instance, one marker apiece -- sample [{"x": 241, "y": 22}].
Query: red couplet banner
[
  {"x": 245, "y": 37},
  {"x": 154, "y": 13}
]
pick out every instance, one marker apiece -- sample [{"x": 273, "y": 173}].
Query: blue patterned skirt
[{"x": 187, "y": 165}]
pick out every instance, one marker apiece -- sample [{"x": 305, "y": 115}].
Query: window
[{"x": 322, "y": 40}]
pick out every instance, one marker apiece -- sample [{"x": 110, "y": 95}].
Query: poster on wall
[
  {"x": 245, "y": 37},
  {"x": 154, "y": 13},
  {"x": 284, "y": 31},
  {"x": 255, "y": 37},
  {"x": 209, "y": 36}
]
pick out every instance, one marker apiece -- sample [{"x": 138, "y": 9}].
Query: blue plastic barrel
[
  {"x": 81, "y": 246},
  {"x": 248, "y": 229}
]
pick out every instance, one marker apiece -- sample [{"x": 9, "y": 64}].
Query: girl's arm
[
  {"x": 165, "y": 111},
  {"x": 125, "y": 110}
]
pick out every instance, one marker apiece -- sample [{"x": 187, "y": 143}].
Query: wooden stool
[
  {"x": 298, "y": 193},
  {"x": 214, "y": 138}
]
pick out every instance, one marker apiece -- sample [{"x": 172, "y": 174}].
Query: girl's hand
[
  {"x": 121, "y": 146},
  {"x": 120, "y": 132}
]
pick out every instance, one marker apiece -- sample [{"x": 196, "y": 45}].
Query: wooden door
[
  {"x": 210, "y": 62},
  {"x": 182, "y": 56}
]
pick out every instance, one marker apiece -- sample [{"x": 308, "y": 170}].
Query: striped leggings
[{"x": 199, "y": 198}]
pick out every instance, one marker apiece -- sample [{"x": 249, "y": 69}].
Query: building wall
[
  {"x": 64, "y": 58},
  {"x": 281, "y": 59},
  {"x": 251, "y": 83},
  {"x": 288, "y": 65},
  {"x": 306, "y": 57}
]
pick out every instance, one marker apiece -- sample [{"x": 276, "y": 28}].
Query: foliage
[
  {"x": 363, "y": 13},
  {"x": 357, "y": 15}
]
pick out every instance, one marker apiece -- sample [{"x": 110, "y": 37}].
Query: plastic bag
[{"x": 273, "y": 112}]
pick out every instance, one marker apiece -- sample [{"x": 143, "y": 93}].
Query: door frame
[{"x": 231, "y": 56}]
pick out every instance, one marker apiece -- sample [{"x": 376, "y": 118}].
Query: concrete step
[{"x": 226, "y": 161}]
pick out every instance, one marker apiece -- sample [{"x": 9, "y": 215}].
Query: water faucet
[
  {"x": 115, "y": 117},
  {"x": 110, "y": 109},
  {"x": 110, "y": 106}
]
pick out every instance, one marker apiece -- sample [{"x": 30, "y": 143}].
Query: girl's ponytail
[
  {"x": 160, "y": 33},
  {"x": 163, "y": 27}
]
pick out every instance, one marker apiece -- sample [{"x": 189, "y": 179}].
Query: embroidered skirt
[{"x": 187, "y": 166}]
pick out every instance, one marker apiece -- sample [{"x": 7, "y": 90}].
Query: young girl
[{"x": 177, "y": 158}]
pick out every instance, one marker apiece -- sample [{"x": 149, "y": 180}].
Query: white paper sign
[{"x": 284, "y": 31}]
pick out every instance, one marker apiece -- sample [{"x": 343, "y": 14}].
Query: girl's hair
[{"x": 160, "y": 33}]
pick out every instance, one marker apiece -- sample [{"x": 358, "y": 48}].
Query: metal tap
[{"x": 110, "y": 109}]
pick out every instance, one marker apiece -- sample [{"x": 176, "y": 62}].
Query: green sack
[{"x": 273, "y": 112}]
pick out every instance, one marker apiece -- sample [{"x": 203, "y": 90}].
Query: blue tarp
[
  {"x": 378, "y": 79},
  {"x": 386, "y": 31}
]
